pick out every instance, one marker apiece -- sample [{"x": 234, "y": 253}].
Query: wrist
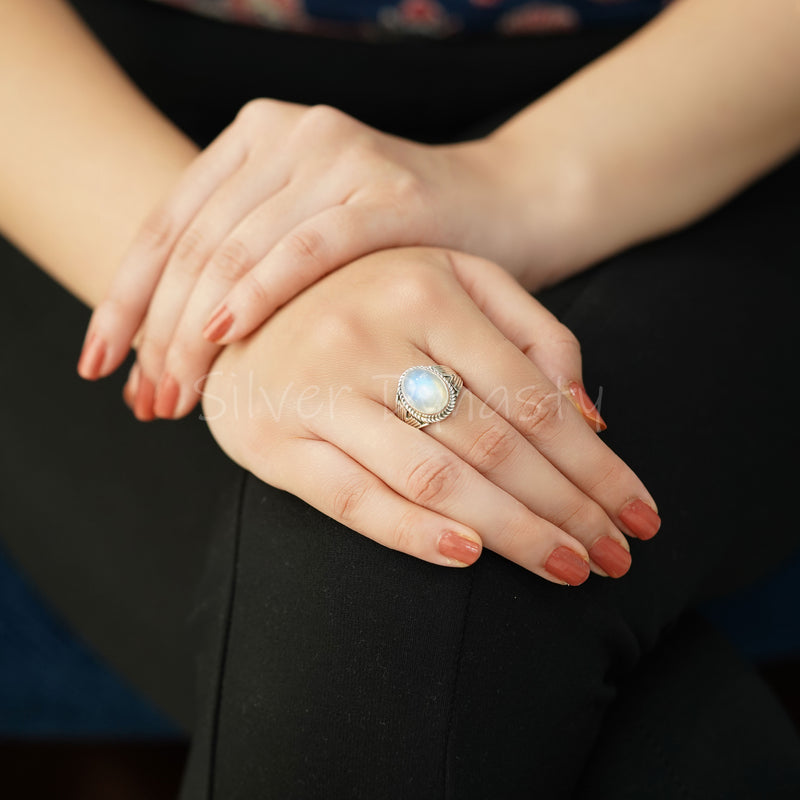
[{"x": 547, "y": 196}]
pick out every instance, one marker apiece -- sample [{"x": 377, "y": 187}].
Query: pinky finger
[
  {"x": 530, "y": 326},
  {"x": 328, "y": 479}
]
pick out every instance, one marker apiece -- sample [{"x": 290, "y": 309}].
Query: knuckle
[
  {"x": 508, "y": 537},
  {"x": 406, "y": 198},
  {"x": 563, "y": 341},
  {"x": 563, "y": 336},
  {"x": 189, "y": 250},
  {"x": 179, "y": 356},
  {"x": 360, "y": 150},
  {"x": 410, "y": 192},
  {"x": 152, "y": 349},
  {"x": 232, "y": 260},
  {"x": 306, "y": 244},
  {"x": 323, "y": 120},
  {"x": 255, "y": 111},
  {"x": 334, "y": 333},
  {"x": 608, "y": 475},
  {"x": 431, "y": 481},
  {"x": 254, "y": 293},
  {"x": 415, "y": 286},
  {"x": 406, "y": 531},
  {"x": 495, "y": 445},
  {"x": 579, "y": 514},
  {"x": 157, "y": 229},
  {"x": 117, "y": 307},
  {"x": 348, "y": 498},
  {"x": 538, "y": 413},
  {"x": 360, "y": 157}
]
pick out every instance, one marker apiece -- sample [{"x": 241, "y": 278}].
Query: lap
[
  {"x": 323, "y": 660},
  {"x": 357, "y": 669},
  {"x": 689, "y": 339},
  {"x": 312, "y": 639}
]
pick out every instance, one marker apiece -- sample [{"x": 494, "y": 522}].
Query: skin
[
  {"x": 723, "y": 113},
  {"x": 46, "y": 201},
  {"x": 514, "y": 466},
  {"x": 63, "y": 98},
  {"x": 638, "y": 144}
]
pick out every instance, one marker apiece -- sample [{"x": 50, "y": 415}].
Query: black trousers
[{"x": 308, "y": 662}]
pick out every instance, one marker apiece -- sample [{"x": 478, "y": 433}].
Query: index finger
[{"x": 117, "y": 318}]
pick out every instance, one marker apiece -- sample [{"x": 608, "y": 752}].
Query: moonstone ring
[{"x": 426, "y": 394}]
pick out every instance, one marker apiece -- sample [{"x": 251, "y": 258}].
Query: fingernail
[
  {"x": 133, "y": 378},
  {"x": 566, "y": 565},
  {"x": 92, "y": 356},
  {"x": 640, "y": 519},
  {"x": 454, "y": 545},
  {"x": 581, "y": 401},
  {"x": 127, "y": 394},
  {"x": 218, "y": 325},
  {"x": 610, "y": 556},
  {"x": 167, "y": 395},
  {"x": 143, "y": 402},
  {"x": 131, "y": 386}
]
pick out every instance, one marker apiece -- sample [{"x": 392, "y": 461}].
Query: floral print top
[{"x": 433, "y": 18}]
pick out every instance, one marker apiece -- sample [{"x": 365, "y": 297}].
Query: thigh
[
  {"x": 329, "y": 666},
  {"x": 351, "y": 671},
  {"x": 354, "y": 671},
  {"x": 113, "y": 520},
  {"x": 694, "y": 721}
]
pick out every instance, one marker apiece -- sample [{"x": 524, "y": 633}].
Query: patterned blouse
[{"x": 436, "y": 18}]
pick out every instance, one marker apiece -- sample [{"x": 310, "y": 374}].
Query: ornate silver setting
[{"x": 406, "y": 410}]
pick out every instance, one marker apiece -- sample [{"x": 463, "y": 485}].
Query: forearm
[
  {"x": 665, "y": 127},
  {"x": 83, "y": 155}
]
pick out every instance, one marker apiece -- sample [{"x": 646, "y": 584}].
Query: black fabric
[{"x": 309, "y": 662}]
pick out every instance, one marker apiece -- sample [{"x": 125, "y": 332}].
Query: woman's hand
[
  {"x": 304, "y": 403},
  {"x": 283, "y": 196}
]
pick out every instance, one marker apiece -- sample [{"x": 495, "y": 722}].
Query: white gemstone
[{"x": 426, "y": 392}]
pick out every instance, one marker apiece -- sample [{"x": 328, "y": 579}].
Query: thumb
[{"x": 523, "y": 320}]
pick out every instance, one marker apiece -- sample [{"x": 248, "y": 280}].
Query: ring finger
[{"x": 429, "y": 474}]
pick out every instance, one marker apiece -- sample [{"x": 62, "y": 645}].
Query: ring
[{"x": 427, "y": 394}]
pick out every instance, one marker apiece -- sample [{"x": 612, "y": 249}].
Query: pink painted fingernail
[
  {"x": 128, "y": 395},
  {"x": 566, "y": 565},
  {"x": 610, "y": 556},
  {"x": 218, "y": 325},
  {"x": 640, "y": 519},
  {"x": 92, "y": 357},
  {"x": 582, "y": 401},
  {"x": 167, "y": 395},
  {"x": 136, "y": 372},
  {"x": 454, "y": 545},
  {"x": 143, "y": 402},
  {"x": 132, "y": 386}
]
